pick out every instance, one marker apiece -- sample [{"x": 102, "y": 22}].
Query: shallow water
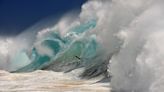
[{"x": 47, "y": 81}]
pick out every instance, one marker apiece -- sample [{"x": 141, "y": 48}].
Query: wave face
[
  {"x": 63, "y": 52},
  {"x": 123, "y": 38},
  {"x": 57, "y": 51}
]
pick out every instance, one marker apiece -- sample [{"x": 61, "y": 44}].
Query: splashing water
[{"x": 127, "y": 33}]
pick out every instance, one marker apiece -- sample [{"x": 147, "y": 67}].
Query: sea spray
[{"x": 132, "y": 30}]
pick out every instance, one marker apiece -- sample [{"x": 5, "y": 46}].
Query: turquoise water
[{"x": 73, "y": 50}]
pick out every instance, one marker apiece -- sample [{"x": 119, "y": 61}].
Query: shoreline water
[{"x": 47, "y": 81}]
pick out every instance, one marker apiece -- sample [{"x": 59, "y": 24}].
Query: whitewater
[{"x": 119, "y": 41}]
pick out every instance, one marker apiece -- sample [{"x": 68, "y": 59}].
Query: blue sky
[{"x": 18, "y": 15}]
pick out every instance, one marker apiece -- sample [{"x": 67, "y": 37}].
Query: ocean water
[{"x": 121, "y": 40}]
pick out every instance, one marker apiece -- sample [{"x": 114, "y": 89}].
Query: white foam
[{"x": 134, "y": 29}]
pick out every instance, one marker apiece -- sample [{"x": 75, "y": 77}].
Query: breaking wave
[{"x": 122, "y": 38}]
